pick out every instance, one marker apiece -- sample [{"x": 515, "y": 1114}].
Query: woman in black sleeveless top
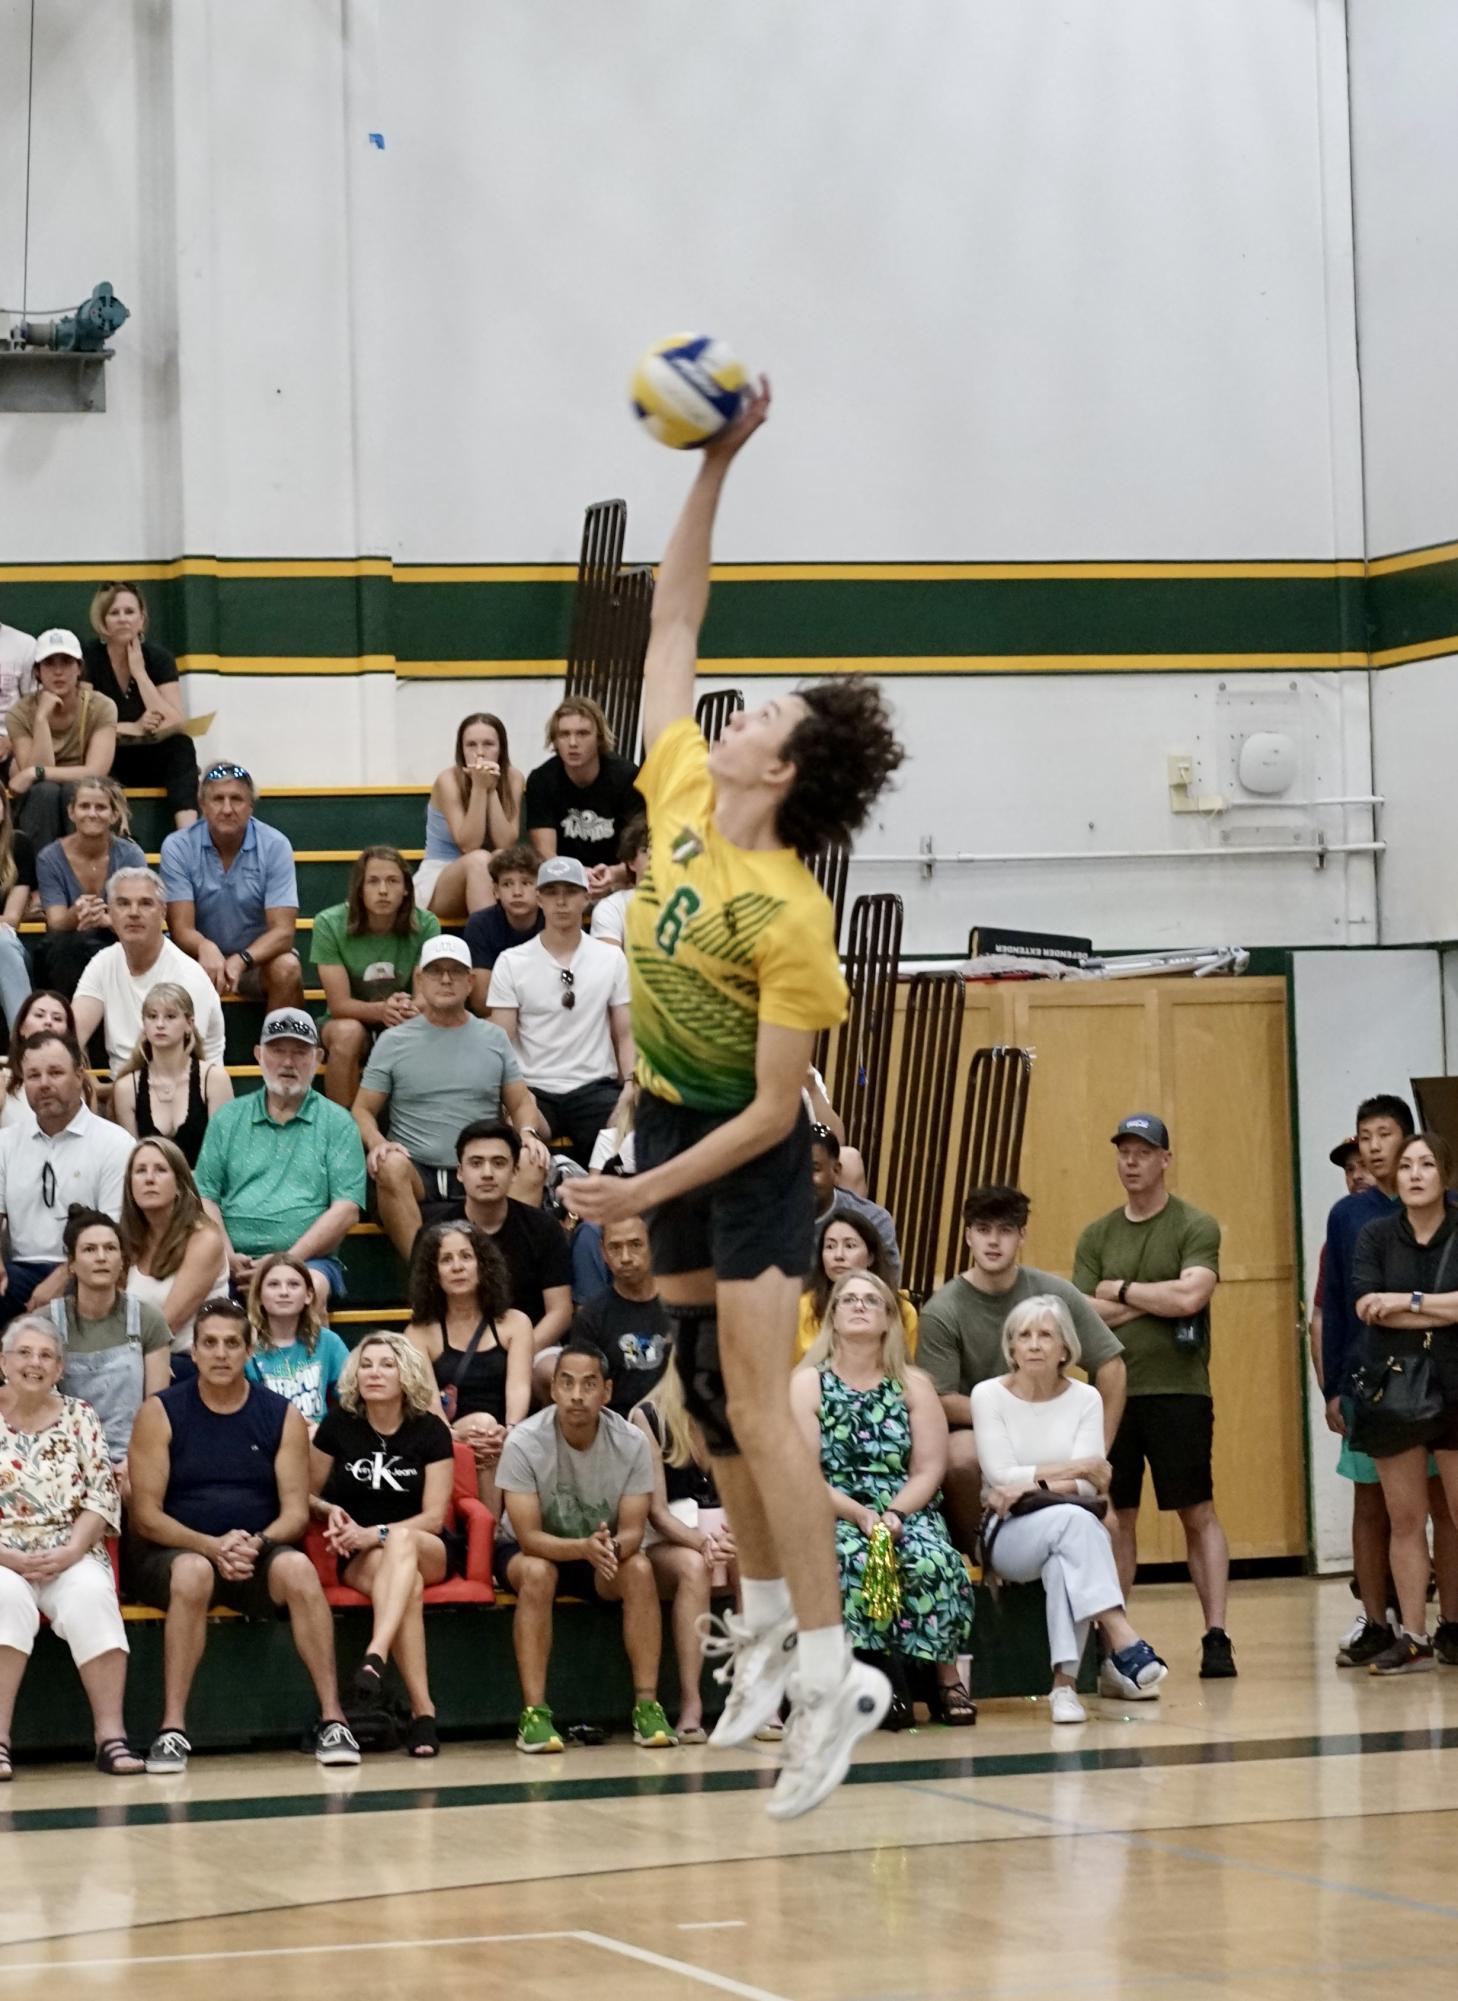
[
  {"x": 689, "y": 1548},
  {"x": 478, "y": 1346},
  {"x": 164, "y": 1090}
]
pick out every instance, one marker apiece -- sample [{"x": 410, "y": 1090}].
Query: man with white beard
[{"x": 284, "y": 1169}]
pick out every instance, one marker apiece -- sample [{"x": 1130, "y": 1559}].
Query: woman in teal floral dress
[{"x": 881, "y": 1436}]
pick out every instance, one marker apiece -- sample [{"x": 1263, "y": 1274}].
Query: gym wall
[{"x": 1059, "y": 298}]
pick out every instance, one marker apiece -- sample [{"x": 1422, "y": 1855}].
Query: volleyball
[{"x": 687, "y": 388}]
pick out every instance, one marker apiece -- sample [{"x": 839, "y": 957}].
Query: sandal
[
  {"x": 422, "y": 1739},
  {"x": 118, "y": 1760},
  {"x": 692, "y": 1733},
  {"x": 953, "y": 1704},
  {"x": 369, "y": 1678},
  {"x": 7, "y": 1766}
]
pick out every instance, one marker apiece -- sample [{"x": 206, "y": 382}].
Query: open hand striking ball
[{"x": 686, "y": 389}]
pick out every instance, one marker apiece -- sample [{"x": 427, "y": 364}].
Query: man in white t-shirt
[
  {"x": 563, "y": 1000},
  {"x": 17, "y": 678},
  {"x": 115, "y": 983}
]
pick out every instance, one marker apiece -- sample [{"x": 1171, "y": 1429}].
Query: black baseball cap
[
  {"x": 1145, "y": 1126},
  {"x": 1342, "y": 1153}
]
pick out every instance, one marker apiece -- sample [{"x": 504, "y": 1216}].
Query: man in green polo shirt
[
  {"x": 283, "y": 1169},
  {"x": 1150, "y": 1269}
]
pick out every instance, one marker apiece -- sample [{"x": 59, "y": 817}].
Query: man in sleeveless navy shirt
[{"x": 220, "y": 1493}]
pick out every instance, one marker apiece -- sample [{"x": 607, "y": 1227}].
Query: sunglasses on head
[
  {"x": 226, "y": 771},
  {"x": 569, "y": 998}
]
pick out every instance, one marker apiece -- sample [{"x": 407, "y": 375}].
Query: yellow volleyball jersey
[{"x": 719, "y": 939}]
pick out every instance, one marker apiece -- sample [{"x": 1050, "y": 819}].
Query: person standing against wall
[
  {"x": 1384, "y": 1124},
  {"x": 1150, "y": 1268}
]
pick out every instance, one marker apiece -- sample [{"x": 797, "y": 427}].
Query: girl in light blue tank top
[{"x": 474, "y": 809}]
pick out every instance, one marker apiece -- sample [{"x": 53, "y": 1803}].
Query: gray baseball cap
[
  {"x": 289, "y": 1024},
  {"x": 1145, "y": 1126},
  {"x": 562, "y": 868}
]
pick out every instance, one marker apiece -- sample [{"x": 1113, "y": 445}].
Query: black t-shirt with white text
[
  {"x": 379, "y": 1479},
  {"x": 636, "y": 1337},
  {"x": 588, "y": 820}
]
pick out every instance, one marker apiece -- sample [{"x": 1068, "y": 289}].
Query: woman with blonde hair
[
  {"x": 687, "y": 1540},
  {"x": 165, "y": 1090},
  {"x": 141, "y": 678},
  {"x": 293, "y": 1353},
  {"x": 174, "y": 1250},
  {"x": 17, "y": 885},
  {"x": 381, "y": 1473},
  {"x": 879, "y": 1433},
  {"x": 474, "y": 809},
  {"x": 1040, "y": 1441},
  {"x": 73, "y": 873}
]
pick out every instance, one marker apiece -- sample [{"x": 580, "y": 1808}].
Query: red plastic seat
[{"x": 466, "y": 1511}]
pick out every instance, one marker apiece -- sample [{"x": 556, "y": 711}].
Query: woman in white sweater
[{"x": 1039, "y": 1430}]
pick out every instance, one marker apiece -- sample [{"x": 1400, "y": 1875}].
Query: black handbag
[
  {"x": 1395, "y": 1389},
  {"x": 1031, "y": 1503}
]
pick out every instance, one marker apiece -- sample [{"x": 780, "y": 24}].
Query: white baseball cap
[
  {"x": 446, "y": 946},
  {"x": 58, "y": 640}
]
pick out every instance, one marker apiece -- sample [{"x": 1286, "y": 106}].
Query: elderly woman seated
[
  {"x": 1040, "y": 1441},
  {"x": 58, "y": 1500},
  {"x": 382, "y": 1467},
  {"x": 878, "y": 1430}
]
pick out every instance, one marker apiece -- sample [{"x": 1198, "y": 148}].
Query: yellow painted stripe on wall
[
  {"x": 939, "y": 573},
  {"x": 1413, "y": 559},
  {"x": 903, "y": 664},
  {"x": 1425, "y": 649},
  {"x": 259, "y": 663}
]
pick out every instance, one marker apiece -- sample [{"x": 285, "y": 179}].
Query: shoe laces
[
  {"x": 724, "y": 1639},
  {"x": 172, "y": 1743}
]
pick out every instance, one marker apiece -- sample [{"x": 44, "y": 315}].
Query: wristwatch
[
  {"x": 246, "y": 956},
  {"x": 384, "y": 1533},
  {"x": 1124, "y": 1293},
  {"x": 1415, "y": 1304},
  {"x": 40, "y": 774},
  {"x": 265, "y": 1544}
]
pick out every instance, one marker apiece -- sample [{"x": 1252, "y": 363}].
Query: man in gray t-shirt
[
  {"x": 429, "y": 1077},
  {"x": 576, "y": 1481},
  {"x": 959, "y": 1338}
]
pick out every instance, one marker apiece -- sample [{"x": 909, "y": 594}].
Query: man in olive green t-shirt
[
  {"x": 959, "y": 1339},
  {"x": 1150, "y": 1270}
]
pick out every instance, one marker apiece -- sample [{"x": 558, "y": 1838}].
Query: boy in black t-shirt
[
  {"x": 514, "y": 919},
  {"x": 580, "y": 800},
  {"x": 629, "y": 1322},
  {"x": 534, "y": 1245}
]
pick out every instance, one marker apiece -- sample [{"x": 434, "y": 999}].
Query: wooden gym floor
[{"x": 1286, "y": 1835}]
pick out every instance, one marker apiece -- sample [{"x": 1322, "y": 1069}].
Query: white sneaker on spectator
[
  {"x": 168, "y": 1755},
  {"x": 1066, "y": 1707},
  {"x": 334, "y": 1744},
  {"x": 824, "y": 1728},
  {"x": 755, "y": 1668}
]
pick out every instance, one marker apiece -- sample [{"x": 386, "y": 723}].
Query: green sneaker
[
  {"x": 537, "y": 1732},
  {"x": 650, "y": 1727}
]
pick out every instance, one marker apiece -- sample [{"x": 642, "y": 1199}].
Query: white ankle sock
[
  {"x": 821, "y": 1658},
  {"x": 766, "y": 1602}
]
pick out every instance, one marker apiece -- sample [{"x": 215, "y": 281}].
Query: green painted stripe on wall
[{"x": 1222, "y": 620}]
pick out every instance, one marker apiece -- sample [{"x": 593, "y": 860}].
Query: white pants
[
  {"x": 1071, "y": 1551},
  {"x": 80, "y": 1604}
]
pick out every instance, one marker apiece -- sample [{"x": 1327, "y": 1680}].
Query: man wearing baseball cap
[
  {"x": 63, "y": 732},
  {"x": 563, "y": 1000},
  {"x": 425, "y": 1079},
  {"x": 1150, "y": 1269},
  {"x": 283, "y": 1169}
]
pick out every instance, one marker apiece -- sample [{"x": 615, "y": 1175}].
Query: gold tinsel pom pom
[{"x": 881, "y": 1585}]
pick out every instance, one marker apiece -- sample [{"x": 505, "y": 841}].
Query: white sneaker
[
  {"x": 334, "y": 1744},
  {"x": 824, "y": 1728},
  {"x": 1123, "y": 1688},
  {"x": 1066, "y": 1707},
  {"x": 755, "y": 1669},
  {"x": 1350, "y": 1637}
]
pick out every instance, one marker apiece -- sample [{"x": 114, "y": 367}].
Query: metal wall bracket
[{"x": 39, "y": 381}]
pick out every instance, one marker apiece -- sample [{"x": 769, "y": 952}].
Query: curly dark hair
[
  {"x": 843, "y": 752},
  {"x": 427, "y": 1295}
]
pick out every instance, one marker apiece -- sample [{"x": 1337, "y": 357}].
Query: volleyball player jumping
[{"x": 732, "y": 956}]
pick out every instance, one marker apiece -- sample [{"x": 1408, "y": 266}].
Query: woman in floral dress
[
  {"x": 58, "y": 1502},
  {"x": 878, "y": 1428}
]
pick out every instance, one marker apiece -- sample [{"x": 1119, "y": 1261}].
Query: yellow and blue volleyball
[{"x": 686, "y": 389}]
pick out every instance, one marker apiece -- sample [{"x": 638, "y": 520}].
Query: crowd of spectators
[{"x": 173, "y": 1254}]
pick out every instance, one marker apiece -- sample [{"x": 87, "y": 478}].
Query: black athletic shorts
[
  {"x": 755, "y": 1218},
  {"x": 1176, "y": 1434},
  {"x": 149, "y": 1575},
  {"x": 576, "y": 1579}
]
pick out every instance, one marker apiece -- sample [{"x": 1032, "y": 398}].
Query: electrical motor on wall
[{"x": 55, "y": 364}]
